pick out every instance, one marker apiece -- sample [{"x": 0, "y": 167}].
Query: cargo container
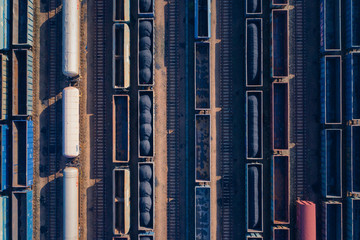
[
  {"x": 254, "y": 125},
  {"x": 331, "y": 90},
  {"x": 145, "y": 55},
  {"x": 202, "y": 147},
  {"x": 146, "y": 236},
  {"x": 352, "y": 79},
  {"x": 332, "y": 220},
  {"x": 146, "y": 8},
  {"x": 5, "y": 25},
  {"x": 22, "y": 82},
  {"x": 121, "y": 56},
  {"x": 280, "y": 116},
  {"x": 330, "y": 25},
  {"x": 352, "y": 8},
  {"x": 254, "y": 197},
  {"x": 280, "y": 43},
  {"x": 146, "y": 123},
  {"x": 5, "y": 79},
  {"x": 121, "y": 128},
  {"x": 254, "y": 236},
  {"x": 22, "y": 215},
  {"x": 254, "y": 52},
  {"x": 353, "y": 159},
  {"x": 146, "y": 196},
  {"x": 4, "y": 168},
  {"x": 22, "y": 153},
  {"x": 202, "y": 19},
  {"x": 71, "y": 203},
  {"x": 281, "y": 233},
  {"x": 22, "y": 22},
  {"x": 253, "y": 6},
  {"x": 121, "y": 10},
  {"x": 305, "y": 220},
  {"x": 331, "y": 161},
  {"x": 276, "y": 3},
  {"x": 352, "y": 219},
  {"x": 4, "y": 218},
  {"x": 281, "y": 189},
  {"x": 202, "y": 213},
  {"x": 202, "y": 75},
  {"x": 121, "y": 201}
]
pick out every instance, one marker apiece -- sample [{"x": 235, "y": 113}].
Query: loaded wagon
[
  {"x": 254, "y": 52},
  {"x": 146, "y": 236},
  {"x": 4, "y": 218},
  {"x": 254, "y": 197},
  {"x": 253, "y": 6},
  {"x": 146, "y": 140},
  {"x": 146, "y": 8},
  {"x": 202, "y": 147},
  {"x": 202, "y": 213},
  {"x": 145, "y": 55},
  {"x": 202, "y": 75},
  {"x": 146, "y": 196},
  {"x": 254, "y": 125}
]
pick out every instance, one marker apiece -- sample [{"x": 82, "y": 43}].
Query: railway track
[
  {"x": 299, "y": 102},
  {"x": 99, "y": 120},
  {"x": 226, "y": 126},
  {"x": 52, "y": 165},
  {"x": 173, "y": 211}
]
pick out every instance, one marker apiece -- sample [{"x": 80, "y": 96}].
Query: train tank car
[
  {"x": 71, "y": 203},
  {"x": 71, "y": 38},
  {"x": 70, "y": 106}
]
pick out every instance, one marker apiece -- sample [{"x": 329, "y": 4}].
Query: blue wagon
[
  {"x": 202, "y": 19},
  {"x": 4, "y": 177},
  {"x": 330, "y": 25},
  {"x": 352, "y": 79},
  {"x": 22, "y": 215},
  {"x": 4, "y": 218},
  {"x": 352, "y": 24},
  {"x": 5, "y": 25},
  {"x": 352, "y": 219},
  {"x": 353, "y": 159}
]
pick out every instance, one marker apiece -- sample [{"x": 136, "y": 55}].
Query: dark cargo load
[
  {"x": 146, "y": 8},
  {"x": 202, "y": 75},
  {"x": 146, "y": 194},
  {"x": 146, "y": 52},
  {"x": 280, "y": 106},
  {"x": 280, "y": 44},
  {"x": 146, "y": 124},
  {"x": 202, "y": 213},
  {"x": 202, "y": 148},
  {"x": 254, "y": 52}
]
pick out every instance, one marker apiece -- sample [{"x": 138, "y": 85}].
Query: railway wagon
[
  {"x": 279, "y": 3},
  {"x": 22, "y": 214},
  {"x": 121, "y": 128},
  {"x": 22, "y": 23},
  {"x": 254, "y": 52},
  {"x": 146, "y": 236},
  {"x": 330, "y": 25},
  {"x": 306, "y": 220},
  {"x": 254, "y": 125},
  {"x": 280, "y": 43},
  {"x": 71, "y": 122},
  {"x": 146, "y": 123},
  {"x": 352, "y": 83},
  {"x": 71, "y": 38},
  {"x": 281, "y": 189},
  {"x": 202, "y": 19},
  {"x": 22, "y": 82},
  {"x": 5, "y": 25},
  {"x": 253, "y": 6},
  {"x": 146, "y": 8},
  {"x": 202, "y": 147},
  {"x": 71, "y": 203},
  {"x": 145, "y": 55},
  {"x": 202, "y": 75},
  {"x": 121, "y": 238},
  {"x": 202, "y": 213},
  {"x": 280, "y": 233},
  {"x": 353, "y": 219},
  {"x": 4, "y": 218},
  {"x": 352, "y": 8},
  {"x": 353, "y": 159},
  {"x": 121, "y": 56},
  {"x": 332, "y": 221},
  {"x": 331, "y": 90},
  {"x": 121, "y": 10},
  {"x": 280, "y": 116},
  {"x": 331, "y": 163},
  {"x": 5, "y": 78},
  {"x": 121, "y": 201},
  {"x": 146, "y": 193},
  {"x": 254, "y": 236},
  {"x": 254, "y": 197},
  {"x": 22, "y": 153},
  {"x": 4, "y": 177}
]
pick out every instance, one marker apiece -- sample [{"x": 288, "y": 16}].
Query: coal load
[
  {"x": 145, "y": 6},
  {"x": 146, "y": 195},
  {"x": 145, "y": 238},
  {"x": 145, "y": 125},
  {"x": 253, "y": 115},
  {"x": 145, "y": 52}
]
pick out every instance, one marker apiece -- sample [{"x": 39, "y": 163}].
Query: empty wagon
[
  {"x": 254, "y": 125},
  {"x": 4, "y": 164},
  {"x": 121, "y": 128},
  {"x": 280, "y": 116},
  {"x": 202, "y": 75},
  {"x": 352, "y": 8},
  {"x": 352, "y": 219},
  {"x": 332, "y": 221},
  {"x": 202, "y": 19},
  {"x": 202, "y": 213},
  {"x": 254, "y": 197},
  {"x": 352, "y": 80},
  {"x": 22, "y": 23},
  {"x": 330, "y": 25},
  {"x": 4, "y": 218},
  {"x": 121, "y": 56},
  {"x": 121, "y": 201},
  {"x": 5, "y": 82},
  {"x": 353, "y": 163},
  {"x": 22, "y": 214},
  {"x": 202, "y": 147},
  {"x": 254, "y": 52},
  {"x": 253, "y": 6},
  {"x": 280, "y": 233},
  {"x": 121, "y": 10}
]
